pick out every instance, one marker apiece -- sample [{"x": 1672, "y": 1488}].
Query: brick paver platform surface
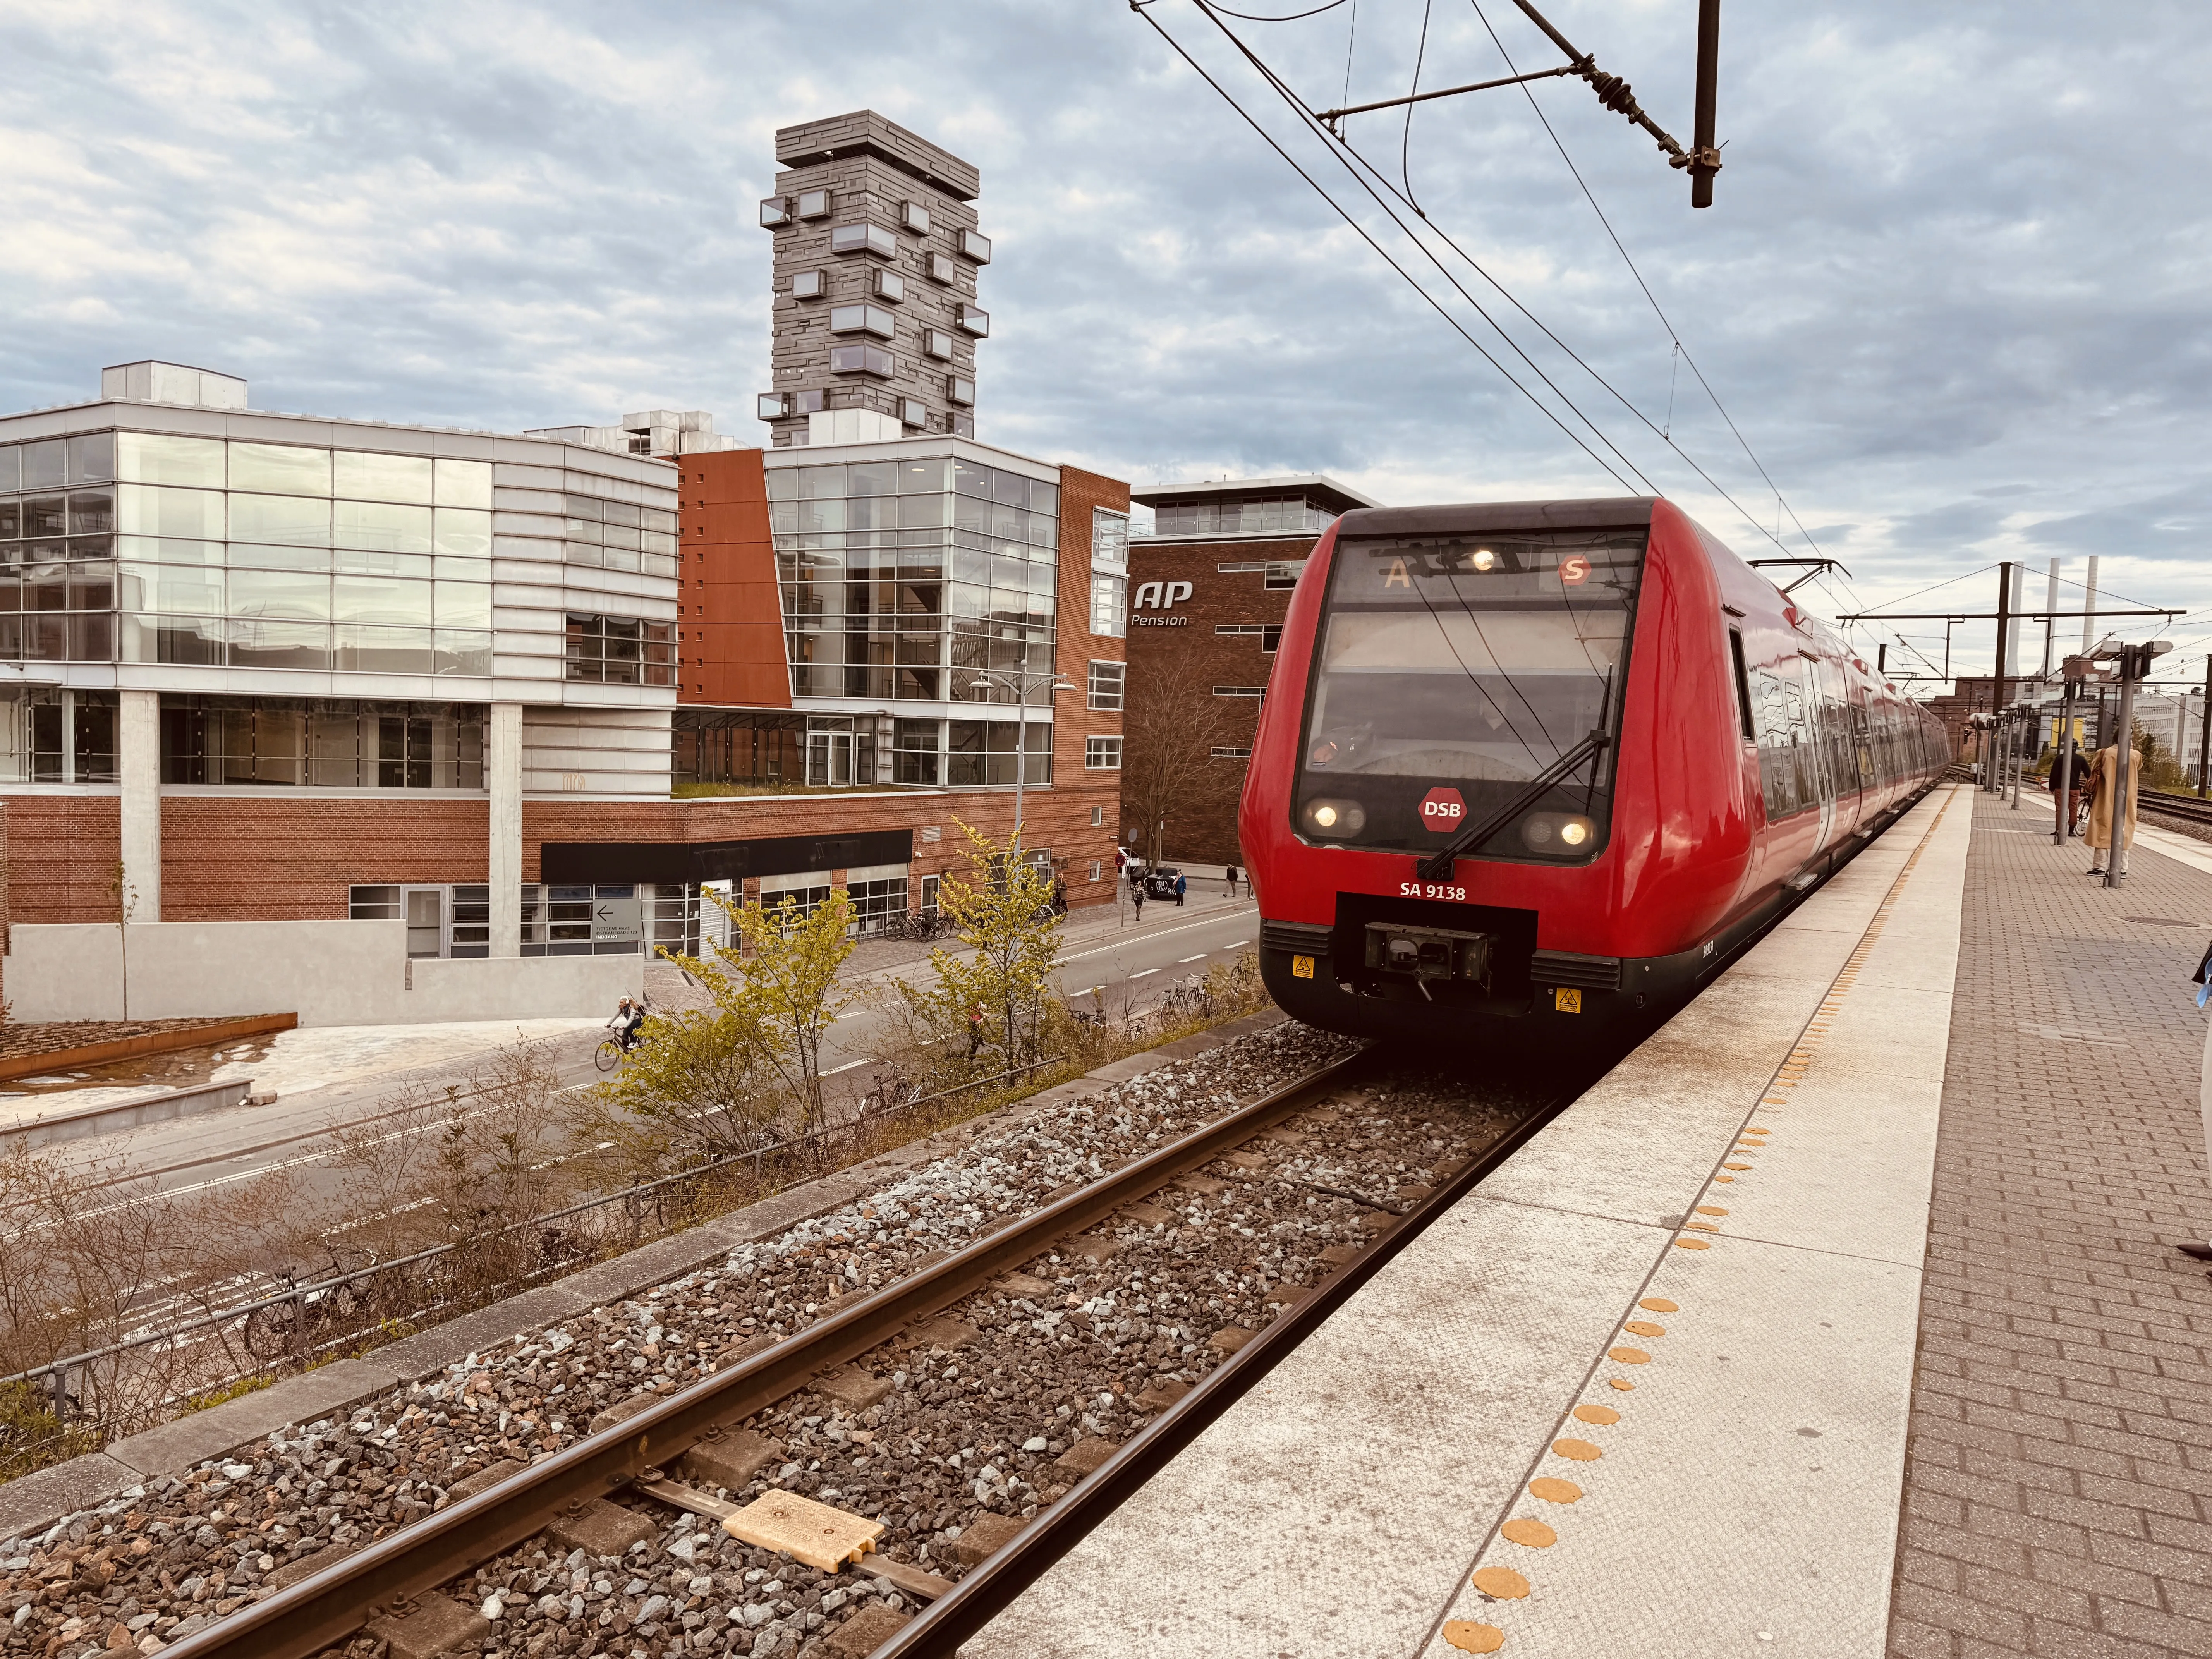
[{"x": 2058, "y": 1482}]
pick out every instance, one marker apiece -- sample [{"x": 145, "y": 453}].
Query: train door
[{"x": 1819, "y": 758}]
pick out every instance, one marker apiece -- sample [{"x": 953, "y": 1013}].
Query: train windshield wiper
[{"x": 1437, "y": 866}]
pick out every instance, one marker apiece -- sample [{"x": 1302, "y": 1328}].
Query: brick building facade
[{"x": 1211, "y": 585}]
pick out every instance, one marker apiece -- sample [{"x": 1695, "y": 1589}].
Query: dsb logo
[{"x": 1443, "y": 810}]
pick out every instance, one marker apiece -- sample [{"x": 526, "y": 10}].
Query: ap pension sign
[{"x": 1443, "y": 810}]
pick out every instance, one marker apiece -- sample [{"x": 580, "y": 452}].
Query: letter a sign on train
[{"x": 1443, "y": 810}]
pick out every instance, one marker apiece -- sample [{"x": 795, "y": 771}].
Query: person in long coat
[{"x": 2103, "y": 779}]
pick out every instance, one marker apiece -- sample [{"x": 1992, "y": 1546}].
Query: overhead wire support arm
[
  {"x": 1616, "y": 95},
  {"x": 1333, "y": 116},
  {"x": 1820, "y": 567}
]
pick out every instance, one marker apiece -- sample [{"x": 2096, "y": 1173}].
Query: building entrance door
[
  {"x": 828, "y": 757},
  {"x": 426, "y": 921}
]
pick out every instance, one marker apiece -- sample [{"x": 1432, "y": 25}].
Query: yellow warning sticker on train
[
  {"x": 1566, "y": 999},
  {"x": 1301, "y": 967}
]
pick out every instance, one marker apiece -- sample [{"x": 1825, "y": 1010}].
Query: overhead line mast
[{"x": 1701, "y": 159}]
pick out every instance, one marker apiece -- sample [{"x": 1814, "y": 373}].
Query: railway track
[
  {"x": 972, "y": 1416},
  {"x": 2179, "y": 806}
]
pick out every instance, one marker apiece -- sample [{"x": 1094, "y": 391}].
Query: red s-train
[{"x": 1549, "y": 763}]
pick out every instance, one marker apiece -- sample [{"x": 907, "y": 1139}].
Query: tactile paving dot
[
  {"x": 1711, "y": 1209},
  {"x": 1734, "y": 1166},
  {"x": 1629, "y": 1356},
  {"x": 1533, "y": 1533},
  {"x": 1470, "y": 1637},
  {"x": 1647, "y": 1327},
  {"x": 1597, "y": 1414},
  {"x": 1500, "y": 1583},
  {"x": 1555, "y": 1490},
  {"x": 1659, "y": 1304},
  {"x": 1624, "y": 1385},
  {"x": 1581, "y": 1450},
  {"x": 1693, "y": 1244}
]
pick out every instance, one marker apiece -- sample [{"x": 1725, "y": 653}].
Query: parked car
[{"x": 1160, "y": 881}]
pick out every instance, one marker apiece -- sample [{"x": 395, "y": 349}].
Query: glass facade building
[{"x": 924, "y": 579}]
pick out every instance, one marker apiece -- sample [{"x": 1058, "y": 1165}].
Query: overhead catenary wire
[
  {"x": 1361, "y": 231},
  {"x": 1658, "y": 310}
]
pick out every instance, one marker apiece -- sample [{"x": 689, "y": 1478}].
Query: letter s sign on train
[
  {"x": 1442, "y": 811},
  {"x": 1574, "y": 569}
]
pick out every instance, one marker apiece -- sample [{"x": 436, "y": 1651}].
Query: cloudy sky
[{"x": 1951, "y": 294}]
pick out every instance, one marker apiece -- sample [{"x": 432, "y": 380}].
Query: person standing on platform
[
  {"x": 1182, "y": 882},
  {"x": 1232, "y": 881},
  {"x": 2068, "y": 783},
  {"x": 1137, "y": 897},
  {"x": 2203, "y": 982},
  {"x": 2103, "y": 777}
]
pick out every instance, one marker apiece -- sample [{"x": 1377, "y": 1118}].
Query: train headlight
[
  {"x": 1557, "y": 832},
  {"x": 1484, "y": 559},
  {"x": 1331, "y": 820}
]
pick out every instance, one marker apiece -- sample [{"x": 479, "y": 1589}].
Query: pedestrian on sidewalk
[
  {"x": 1232, "y": 881},
  {"x": 2204, "y": 983},
  {"x": 1136, "y": 898},
  {"x": 975, "y": 1028},
  {"x": 1182, "y": 883},
  {"x": 2104, "y": 780},
  {"x": 2071, "y": 781}
]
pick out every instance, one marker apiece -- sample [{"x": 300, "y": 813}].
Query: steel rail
[
  {"x": 330, "y": 1606},
  {"x": 989, "y": 1589},
  {"x": 2180, "y": 806}
]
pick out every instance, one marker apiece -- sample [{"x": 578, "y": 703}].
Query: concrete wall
[{"x": 330, "y": 973}]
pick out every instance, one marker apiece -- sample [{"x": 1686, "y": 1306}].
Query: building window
[
  {"x": 1094, "y": 869},
  {"x": 1284, "y": 572},
  {"x": 982, "y": 753},
  {"x": 1110, "y": 539},
  {"x": 813, "y": 204},
  {"x": 960, "y": 425},
  {"x": 775, "y": 210},
  {"x": 1107, "y": 679},
  {"x": 887, "y": 284},
  {"x": 913, "y": 412},
  {"x": 937, "y": 343},
  {"x": 1240, "y": 691},
  {"x": 321, "y": 743},
  {"x": 875, "y": 902},
  {"x": 914, "y": 217},
  {"x": 52, "y": 735},
  {"x": 974, "y": 244},
  {"x": 941, "y": 268},
  {"x": 1232, "y": 754},
  {"x": 1102, "y": 754},
  {"x": 864, "y": 239},
  {"x": 1270, "y": 634},
  {"x": 975, "y": 320},
  {"x": 861, "y": 320},
  {"x": 67, "y": 605},
  {"x": 772, "y": 406},
  {"x": 809, "y": 284},
  {"x": 960, "y": 390},
  {"x": 860, "y": 360},
  {"x": 620, "y": 651},
  {"x": 1109, "y": 605}
]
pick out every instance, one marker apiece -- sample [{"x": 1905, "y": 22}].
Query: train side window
[{"x": 1742, "y": 686}]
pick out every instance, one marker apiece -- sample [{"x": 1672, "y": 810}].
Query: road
[{"x": 1124, "y": 965}]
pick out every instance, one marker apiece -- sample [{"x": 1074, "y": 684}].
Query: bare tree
[{"x": 1169, "y": 730}]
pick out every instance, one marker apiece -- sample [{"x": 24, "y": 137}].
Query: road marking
[
  {"x": 1141, "y": 972},
  {"x": 1200, "y": 956},
  {"x": 1237, "y": 944},
  {"x": 1158, "y": 932}
]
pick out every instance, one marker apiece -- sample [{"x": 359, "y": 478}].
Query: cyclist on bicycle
[{"x": 627, "y": 1020}]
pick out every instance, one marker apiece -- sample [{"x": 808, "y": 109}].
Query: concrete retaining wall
[{"x": 330, "y": 973}]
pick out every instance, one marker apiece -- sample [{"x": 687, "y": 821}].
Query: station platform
[{"x": 1842, "y": 1318}]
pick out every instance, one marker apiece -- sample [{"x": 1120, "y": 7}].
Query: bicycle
[
  {"x": 613, "y": 1051},
  {"x": 315, "y": 1310},
  {"x": 893, "y": 1089}
]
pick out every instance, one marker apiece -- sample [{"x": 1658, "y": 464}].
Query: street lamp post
[{"x": 1020, "y": 683}]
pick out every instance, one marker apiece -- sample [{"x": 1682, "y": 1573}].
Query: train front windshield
[{"x": 1451, "y": 671}]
